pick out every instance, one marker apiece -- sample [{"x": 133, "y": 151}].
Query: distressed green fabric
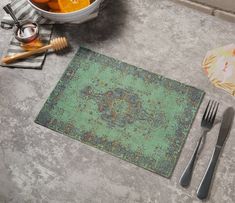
[{"x": 126, "y": 111}]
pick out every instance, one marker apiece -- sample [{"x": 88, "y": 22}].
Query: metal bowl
[{"x": 75, "y": 16}]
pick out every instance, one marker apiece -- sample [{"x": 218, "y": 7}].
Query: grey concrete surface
[
  {"x": 39, "y": 165},
  {"x": 212, "y": 7},
  {"x": 228, "y": 5}
]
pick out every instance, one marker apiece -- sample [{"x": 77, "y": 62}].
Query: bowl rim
[{"x": 83, "y": 10}]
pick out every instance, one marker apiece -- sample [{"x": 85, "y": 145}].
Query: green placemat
[{"x": 126, "y": 111}]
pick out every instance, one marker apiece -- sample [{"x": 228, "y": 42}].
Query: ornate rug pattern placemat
[{"x": 126, "y": 111}]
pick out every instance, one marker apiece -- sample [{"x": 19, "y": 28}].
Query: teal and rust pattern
[{"x": 126, "y": 111}]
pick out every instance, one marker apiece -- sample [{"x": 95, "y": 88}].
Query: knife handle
[{"x": 204, "y": 186}]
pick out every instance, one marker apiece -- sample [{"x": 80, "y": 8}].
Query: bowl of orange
[{"x": 66, "y": 11}]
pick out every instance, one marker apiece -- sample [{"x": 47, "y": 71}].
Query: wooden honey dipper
[{"x": 55, "y": 44}]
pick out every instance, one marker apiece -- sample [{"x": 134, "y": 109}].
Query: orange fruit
[
  {"x": 53, "y": 4},
  {"x": 40, "y": 1},
  {"x": 72, "y": 5}
]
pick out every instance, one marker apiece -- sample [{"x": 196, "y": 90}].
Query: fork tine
[
  {"x": 212, "y": 111},
  {"x": 205, "y": 113},
  {"x": 209, "y": 111},
  {"x": 214, "y": 115}
]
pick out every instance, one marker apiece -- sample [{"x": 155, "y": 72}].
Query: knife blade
[{"x": 225, "y": 127}]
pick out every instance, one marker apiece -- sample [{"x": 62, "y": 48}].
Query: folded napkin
[
  {"x": 219, "y": 66},
  {"x": 23, "y": 11},
  {"x": 34, "y": 62}
]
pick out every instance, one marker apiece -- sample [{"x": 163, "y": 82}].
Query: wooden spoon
[{"x": 55, "y": 44}]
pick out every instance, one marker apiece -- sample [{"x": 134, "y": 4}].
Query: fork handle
[
  {"x": 188, "y": 171},
  {"x": 204, "y": 186}
]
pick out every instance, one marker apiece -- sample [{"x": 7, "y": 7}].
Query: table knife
[{"x": 225, "y": 127}]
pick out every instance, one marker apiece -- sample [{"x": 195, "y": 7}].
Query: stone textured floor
[{"x": 39, "y": 165}]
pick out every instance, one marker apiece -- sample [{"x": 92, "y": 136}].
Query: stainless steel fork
[{"x": 207, "y": 123}]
